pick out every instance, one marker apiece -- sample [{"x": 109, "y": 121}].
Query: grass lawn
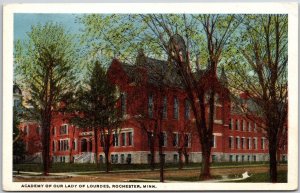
[
  {"x": 264, "y": 177},
  {"x": 67, "y": 167}
]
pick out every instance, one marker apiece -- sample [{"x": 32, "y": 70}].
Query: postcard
[{"x": 150, "y": 97}]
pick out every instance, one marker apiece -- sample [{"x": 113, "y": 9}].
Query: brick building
[{"x": 141, "y": 89}]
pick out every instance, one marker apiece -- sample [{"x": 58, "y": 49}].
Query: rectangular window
[
  {"x": 243, "y": 143},
  {"x": 175, "y": 139},
  {"x": 54, "y": 131},
  {"x": 101, "y": 159},
  {"x": 150, "y": 106},
  {"x": 237, "y": 143},
  {"x": 186, "y": 140},
  {"x": 214, "y": 141},
  {"x": 231, "y": 158},
  {"x": 230, "y": 124},
  {"x": 249, "y": 143},
  {"x": 63, "y": 129},
  {"x": 102, "y": 141},
  {"x": 249, "y": 126},
  {"x": 150, "y": 138},
  {"x": 176, "y": 108},
  {"x": 130, "y": 138},
  {"x": 249, "y": 158},
  {"x": 236, "y": 124},
  {"x": 165, "y": 107},
  {"x": 128, "y": 160},
  {"x": 244, "y": 125},
  {"x": 254, "y": 158},
  {"x": 64, "y": 145},
  {"x": 255, "y": 143},
  {"x": 187, "y": 109},
  {"x": 236, "y": 158},
  {"x": 255, "y": 127},
  {"x": 164, "y": 139},
  {"x": 123, "y": 139},
  {"x": 262, "y": 143},
  {"x": 231, "y": 142},
  {"x": 53, "y": 146},
  {"x": 122, "y": 158},
  {"x": 123, "y": 103},
  {"x": 214, "y": 158},
  {"x": 115, "y": 140},
  {"x": 243, "y": 158}
]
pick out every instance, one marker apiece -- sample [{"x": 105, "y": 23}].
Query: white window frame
[
  {"x": 255, "y": 143},
  {"x": 215, "y": 141},
  {"x": 67, "y": 129},
  {"x": 263, "y": 143},
  {"x": 238, "y": 142},
  {"x": 250, "y": 143},
  {"x": 124, "y": 140}
]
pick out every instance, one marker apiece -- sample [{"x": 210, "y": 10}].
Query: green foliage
[
  {"x": 18, "y": 143},
  {"x": 46, "y": 66},
  {"x": 95, "y": 103}
]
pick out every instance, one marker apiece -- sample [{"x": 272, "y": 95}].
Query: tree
[
  {"x": 260, "y": 70},
  {"x": 18, "y": 143},
  {"x": 179, "y": 38},
  {"x": 46, "y": 64},
  {"x": 95, "y": 109}
]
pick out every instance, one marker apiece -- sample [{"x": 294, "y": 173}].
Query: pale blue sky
[{"x": 24, "y": 21}]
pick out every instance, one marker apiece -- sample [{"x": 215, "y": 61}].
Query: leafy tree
[
  {"x": 95, "y": 109},
  {"x": 260, "y": 70},
  {"x": 46, "y": 65},
  {"x": 179, "y": 38},
  {"x": 18, "y": 143}
]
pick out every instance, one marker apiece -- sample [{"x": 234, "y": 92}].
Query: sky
[{"x": 24, "y": 21}]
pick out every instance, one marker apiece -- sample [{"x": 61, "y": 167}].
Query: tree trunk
[
  {"x": 46, "y": 142},
  {"x": 107, "y": 161},
  {"x": 180, "y": 166},
  {"x": 273, "y": 161},
  {"x": 161, "y": 163},
  {"x": 205, "y": 167},
  {"x": 152, "y": 153},
  {"x": 96, "y": 147}
]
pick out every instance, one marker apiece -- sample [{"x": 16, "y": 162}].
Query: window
[
  {"x": 236, "y": 124},
  {"x": 123, "y": 103},
  {"x": 231, "y": 142},
  {"x": 63, "y": 129},
  {"x": 255, "y": 143},
  {"x": 115, "y": 140},
  {"x": 175, "y": 139},
  {"x": 175, "y": 158},
  {"x": 236, "y": 158},
  {"x": 112, "y": 158},
  {"x": 130, "y": 138},
  {"x": 101, "y": 159},
  {"x": 254, "y": 158},
  {"x": 128, "y": 160},
  {"x": 75, "y": 144},
  {"x": 249, "y": 126},
  {"x": 244, "y": 125},
  {"x": 230, "y": 124},
  {"x": 214, "y": 158},
  {"x": 187, "y": 109},
  {"x": 64, "y": 145},
  {"x": 164, "y": 139},
  {"x": 243, "y": 143},
  {"x": 149, "y": 158},
  {"x": 214, "y": 141},
  {"x": 54, "y": 131},
  {"x": 150, "y": 106},
  {"x": 249, "y": 143},
  {"x": 243, "y": 158},
  {"x": 255, "y": 127},
  {"x": 123, "y": 137},
  {"x": 165, "y": 107},
  {"x": 176, "y": 108},
  {"x": 262, "y": 143},
  {"x": 122, "y": 158},
  {"x": 249, "y": 158},
  {"x": 237, "y": 143},
  {"x": 231, "y": 158},
  {"x": 186, "y": 140},
  {"x": 53, "y": 146}
]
